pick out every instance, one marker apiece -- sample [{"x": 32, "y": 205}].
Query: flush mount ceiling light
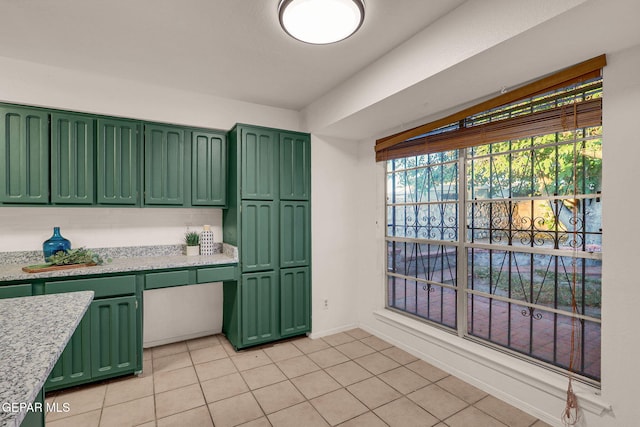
[{"x": 321, "y": 21}]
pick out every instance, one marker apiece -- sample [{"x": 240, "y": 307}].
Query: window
[{"x": 501, "y": 242}]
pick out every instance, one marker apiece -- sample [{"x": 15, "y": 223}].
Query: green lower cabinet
[
  {"x": 104, "y": 345},
  {"x": 74, "y": 364},
  {"x": 259, "y": 312},
  {"x": 36, "y": 418},
  {"x": 266, "y": 306},
  {"x": 295, "y": 301},
  {"x": 15, "y": 291},
  {"x": 113, "y": 336}
]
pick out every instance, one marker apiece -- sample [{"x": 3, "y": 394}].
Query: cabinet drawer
[
  {"x": 101, "y": 286},
  {"x": 14, "y": 291},
  {"x": 166, "y": 279},
  {"x": 217, "y": 274}
]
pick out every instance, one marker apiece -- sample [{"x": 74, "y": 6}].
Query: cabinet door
[
  {"x": 24, "y": 155},
  {"x": 74, "y": 364},
  {"x": 163, "y": 165},
  {"x": 295, "y": 234},
  {"x": 295, "y": 301},
  {"x": 117, "y": 162},
  {"x": 208, "y": 169},
  {"x": 72, "y": 143},
  {"x": 259, "y": 308},
  {"x": 259, "y": 164},
  {"x": 295, "y": 166},
  {"x": 113, "y": 336},
  {"x": 35, "y": 418},
  {"x": 259, "y": 236},
  {"x": 14, "y": 291}
]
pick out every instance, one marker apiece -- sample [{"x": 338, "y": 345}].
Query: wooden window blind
[{"x": 530, "y": 110}]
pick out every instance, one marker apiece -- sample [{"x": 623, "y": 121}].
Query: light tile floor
[{"x": 348, "y": 379}]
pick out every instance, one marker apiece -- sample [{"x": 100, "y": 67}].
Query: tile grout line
[
  {"x": 271, "y": 361},
  {"x": 204, "y": 397}
]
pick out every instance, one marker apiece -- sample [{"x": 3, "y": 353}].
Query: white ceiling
[{"x": 228, "y": 48}]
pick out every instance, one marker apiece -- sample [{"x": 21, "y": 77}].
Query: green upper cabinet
[
  {"x": 259, "y": 163},
  {"x": 208, "y": 168},
  {"x": 72, "y": 145},
  {"x": 117, "y": 161},
  {"x": 164, "y": 165},
  {"x": 55, "y": 157},
  {"x": 295, "y": 166},
  {"x": 24, "y": 155}
]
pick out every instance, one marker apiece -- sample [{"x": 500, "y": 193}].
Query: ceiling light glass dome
[{"x": 321, "y": 21}]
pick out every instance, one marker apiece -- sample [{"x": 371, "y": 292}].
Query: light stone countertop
[
  {"x": 13, "y": 272},
  {"x": 33, "y": 333}
]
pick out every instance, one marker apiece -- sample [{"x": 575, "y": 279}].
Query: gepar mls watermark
[{"x": 16, "y": 407}]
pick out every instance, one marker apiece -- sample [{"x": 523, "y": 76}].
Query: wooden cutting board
[{"x": 39, "y": 269}]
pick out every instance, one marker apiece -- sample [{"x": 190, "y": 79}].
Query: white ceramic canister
[{"x": 206, "y": 241}]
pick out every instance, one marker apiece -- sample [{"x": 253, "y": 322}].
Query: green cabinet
[
  {"x": 295, "y": 234},
  {"x": 36, "y": 418},
  {"x": 117, "y": 158},
  {"x": 24, "y": 155},
  {"x": 113, "y": 336},
  {"x": 259, "y": 235},
  {"x": 72, "y": 146},
  {"x": 208, "y": 168},
  {"x": 295, "y": 166},
  {"x": 164, "y": 167},
  {"x": 55, "y": 157},
  {"x": 295, "y": 301},
  {"x": 259, "y": 163},
  {"x": 259, "y": 316},
  {"x": 15, "y": 291},
  {"x": 108, "y": 340},
  {"x": 269, "y": 219},
  {"x": 74, "y": 364}
]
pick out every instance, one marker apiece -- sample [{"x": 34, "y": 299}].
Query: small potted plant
[{"x": 192, "y": 240}]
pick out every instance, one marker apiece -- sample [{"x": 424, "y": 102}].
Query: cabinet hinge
[{"x": 136, "y": 304}]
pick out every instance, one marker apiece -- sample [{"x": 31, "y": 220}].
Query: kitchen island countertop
[{"x": 33, "y": 333}]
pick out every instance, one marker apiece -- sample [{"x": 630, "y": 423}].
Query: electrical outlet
[{"x": 325, "y": 304}]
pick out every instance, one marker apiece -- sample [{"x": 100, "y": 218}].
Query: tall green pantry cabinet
[{"x": 269, "y": 220}]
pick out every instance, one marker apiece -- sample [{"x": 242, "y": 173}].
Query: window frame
[{"x": 463, "y": 246}]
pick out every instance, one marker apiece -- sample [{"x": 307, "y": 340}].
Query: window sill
[{"x": 522, "y": 371}]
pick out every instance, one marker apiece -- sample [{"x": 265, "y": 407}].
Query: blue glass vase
[{"x": 55, "y": 244}]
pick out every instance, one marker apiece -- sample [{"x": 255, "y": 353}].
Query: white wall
[
  {"x": 41, "y": 85},
  {"x": 334, "y": 225},
  {"x": 25, "y": 228},
  {"x": 621, "y": 290},
  {"x": 536, "y": 390},
  {"x": 34, "y": 84},
  {"x": 471, "y": 28}
]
